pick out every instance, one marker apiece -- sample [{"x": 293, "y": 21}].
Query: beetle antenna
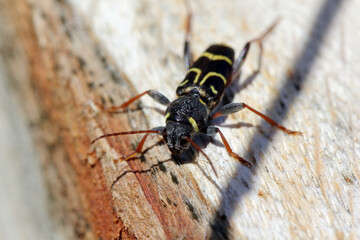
[{"x": 160, "y": 132}]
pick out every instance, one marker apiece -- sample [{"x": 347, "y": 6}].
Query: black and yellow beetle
[{"x": 198, "y": 94}]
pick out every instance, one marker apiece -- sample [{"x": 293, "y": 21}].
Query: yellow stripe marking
[
  {"x": 208, "y": 55},
  {"x": 188, "y": 89},
  {"x": 167, "y": 116},
  {"x": 202, "y": 102},
  {"x": 215, "y": 57},
  {"x": 183, "y": 83},
  {"x": 198, "y": 73},
  {"x": 210, "y": 74},
  {"x": 224, "y": 45},
  {"x": 213, "y": 89},
  {"x": 194, "y": 124},
  {"x": 207, "y": 109}
]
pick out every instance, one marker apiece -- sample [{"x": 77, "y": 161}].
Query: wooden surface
[
  {"x": 67, "y": 55},
  {"x": 23, "y": 200}
]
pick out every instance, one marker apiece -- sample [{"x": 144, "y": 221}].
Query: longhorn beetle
[{"x": 198, "y": 94}]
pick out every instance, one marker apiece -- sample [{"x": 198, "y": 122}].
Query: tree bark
[{"x": 65, "y": 57}]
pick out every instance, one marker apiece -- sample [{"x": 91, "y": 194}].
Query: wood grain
[{"x": 78, "y": 53}]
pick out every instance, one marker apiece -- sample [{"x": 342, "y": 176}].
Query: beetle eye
[{"x": 184, "y": 143}]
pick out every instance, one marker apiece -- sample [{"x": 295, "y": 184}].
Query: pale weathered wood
[
  {"x": 300, "y": 187},
  {"x": 46, "y": 59}
]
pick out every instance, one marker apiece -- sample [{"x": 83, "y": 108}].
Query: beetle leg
[
  {"x": 235, "y": 107},
  {"x": 157, "y": 130},
  {"x": 240, "y": 60},
  {"x": 212, "y": 130},
  {"x": 158, "y": 97},
  {"x": 242, "y": 56},
  {"x": 136, "y": 152},
  {"x": 187, "y": 47}
]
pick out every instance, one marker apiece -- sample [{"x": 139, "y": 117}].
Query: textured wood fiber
[{"x": 299, "y": 187}]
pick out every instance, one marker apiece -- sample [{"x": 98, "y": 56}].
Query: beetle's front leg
[{"x": 158, "y": 97}]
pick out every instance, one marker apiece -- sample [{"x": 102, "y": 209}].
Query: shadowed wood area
[{"x": 65, "y": 57}]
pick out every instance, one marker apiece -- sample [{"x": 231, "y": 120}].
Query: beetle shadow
[
  {"x": 190, "y": 156},
  {"x": 241, "y": 183},
  {"x": 187, "y": 157},
  {"x": 152, "y": 168}
]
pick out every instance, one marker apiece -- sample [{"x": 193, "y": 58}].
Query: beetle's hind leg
[
  {"x": 188, "y": 60},
  {"x": 242, "y": 56}
]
